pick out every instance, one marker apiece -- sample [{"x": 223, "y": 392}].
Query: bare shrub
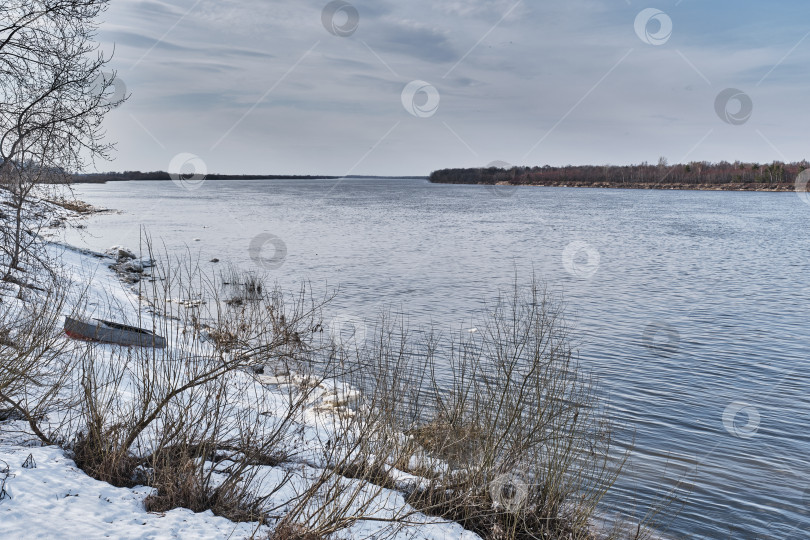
[
  {"x": 35, "y": 362},
  {"x": 353, "y": 481},
  {"x": 502, "y": 426},
  {"x": 520, "y": 426},
  {"x": 188, "y": 420}
]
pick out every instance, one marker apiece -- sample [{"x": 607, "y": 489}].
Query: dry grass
[
  {"x": 223, "y": 339},
  {"x": 101, "y": 458},
  {"x": 80, "y": 207},
  {"x": 287, "y": 531},
  {"x": 180, "y": 482},
  {"x": 450, "y": 440},
  {"x": 5, "y": 340}
]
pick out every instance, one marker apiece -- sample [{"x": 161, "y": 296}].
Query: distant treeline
[
  {"x": 738, "y": 174},
  {"x": 100, "y": 178}
]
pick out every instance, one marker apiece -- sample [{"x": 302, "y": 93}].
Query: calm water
[{"x": 691, "y": 307}]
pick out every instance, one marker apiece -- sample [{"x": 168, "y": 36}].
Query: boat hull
[{"x": 109, "y": 332}]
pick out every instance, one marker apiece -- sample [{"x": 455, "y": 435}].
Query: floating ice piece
[{"x": 120, "y": 253}]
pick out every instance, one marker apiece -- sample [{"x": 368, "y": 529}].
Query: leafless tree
[{"x": 54, "y": 94}]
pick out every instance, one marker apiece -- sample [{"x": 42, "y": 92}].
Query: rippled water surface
[{"x": 691, "y": 307}]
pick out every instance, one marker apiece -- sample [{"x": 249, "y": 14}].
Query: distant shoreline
[
  {"x": 160, "y": 176},
  {"x": 785, "y": 187},
  {"x": 699, "y": 176},
  {"x": 501, "y": 178}
]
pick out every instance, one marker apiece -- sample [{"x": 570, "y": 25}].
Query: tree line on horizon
[
  {"x": 100, "y": 178},
  {"x": 694, "y": 173}
]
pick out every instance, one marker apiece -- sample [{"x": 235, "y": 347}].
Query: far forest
[{"x": 694, "y": 175}]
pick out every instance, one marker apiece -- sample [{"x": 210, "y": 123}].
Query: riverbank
[
  {"x": 702, "y": 176},
  {"x": 45, "y": 493},
  {"x": 641, "y": 186}
]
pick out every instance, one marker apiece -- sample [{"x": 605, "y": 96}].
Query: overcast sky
[{"x": 285, "y": 87}]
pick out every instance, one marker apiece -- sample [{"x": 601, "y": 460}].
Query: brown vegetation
[{"x": 776, "y": 176}]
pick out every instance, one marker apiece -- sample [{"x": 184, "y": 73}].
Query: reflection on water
[{"x": 690, "y": 307}]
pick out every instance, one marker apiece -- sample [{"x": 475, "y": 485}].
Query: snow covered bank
[
  {"x": 55, "y": 497},
  {"x": 57, "y": 500}
]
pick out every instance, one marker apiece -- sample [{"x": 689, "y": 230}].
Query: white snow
[{"x": 57, "y": 500}]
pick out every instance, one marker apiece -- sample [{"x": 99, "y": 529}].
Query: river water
[{"x": 691, "y": 307}]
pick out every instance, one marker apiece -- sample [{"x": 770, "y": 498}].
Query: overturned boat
[{"x": 112, "y": 332}]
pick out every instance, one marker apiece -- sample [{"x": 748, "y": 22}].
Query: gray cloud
[
  {"x": 141, "y": 41},
  {"x": 194, "y": 101},
  {"x": 204, "y": 68},
  {"x": 412, "y": 39},
  {"x": 149, "y": 8}
]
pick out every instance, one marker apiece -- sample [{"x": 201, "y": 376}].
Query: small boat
[{"x": 112, "y": 332}]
